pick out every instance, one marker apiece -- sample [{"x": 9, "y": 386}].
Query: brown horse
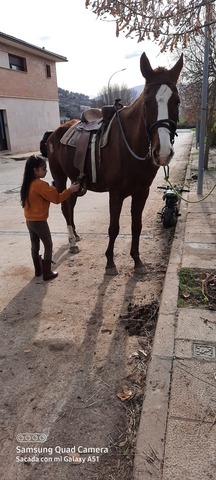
[{"x": 141, "y": 138}]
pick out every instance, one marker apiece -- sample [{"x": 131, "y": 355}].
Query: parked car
[{"x": 43, "y": 143}]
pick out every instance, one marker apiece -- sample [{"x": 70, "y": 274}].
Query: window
[
  {"x": 17, "y": 63},
  {"x": 48, "y": 71}
]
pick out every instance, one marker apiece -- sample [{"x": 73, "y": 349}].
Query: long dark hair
[{"x": 29, "y": 176}]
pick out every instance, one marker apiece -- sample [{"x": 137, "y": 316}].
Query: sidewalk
[
  {"x": 17, "y": 156},
  {"x": 177, "y": 433}
]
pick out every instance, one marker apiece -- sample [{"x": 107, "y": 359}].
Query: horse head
[{"x": 161, "y": 103}]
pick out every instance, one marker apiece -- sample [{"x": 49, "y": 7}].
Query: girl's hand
[{"x": 74, "y": 187}]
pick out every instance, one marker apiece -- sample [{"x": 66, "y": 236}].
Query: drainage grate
[{"x": 202, "y": 350}]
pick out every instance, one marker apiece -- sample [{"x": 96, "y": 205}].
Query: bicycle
[{"x": 170, "y": 212}]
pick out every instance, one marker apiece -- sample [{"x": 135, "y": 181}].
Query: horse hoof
[
  {"x": 140, "y": 270},
  {"x": 111, "y": 271},
  {"x": 74, "y": 249}
]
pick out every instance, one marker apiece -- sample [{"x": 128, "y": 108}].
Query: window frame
[
  {"x": 17, "y": 63},
  {"x": 48, "y": 70}
]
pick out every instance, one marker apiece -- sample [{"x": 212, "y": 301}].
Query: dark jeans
[{"x": 40, "y": 231}]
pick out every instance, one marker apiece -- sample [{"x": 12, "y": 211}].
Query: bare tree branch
[{"x": 169, "y": 23}]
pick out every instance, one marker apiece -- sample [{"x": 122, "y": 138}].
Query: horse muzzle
[
  {"x": 161, "y": 159},
  {"x": 161, "y": 135}
]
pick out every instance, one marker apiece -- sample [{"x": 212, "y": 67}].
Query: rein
[
  {"x": 185, "y": 199},
  {"x": 126, "y": 143},
  {"x": 166, "y": 178},
  {"x": 164, "y": 123}
]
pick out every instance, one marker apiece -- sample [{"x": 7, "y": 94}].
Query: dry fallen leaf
[
  {"x": 134, "y": 354},
  {"x": 142, "y": 352},
  {"x": 123, "y": 443},
  {"x": 125, "y": 394},
  {"x": 185, "y": 294}
]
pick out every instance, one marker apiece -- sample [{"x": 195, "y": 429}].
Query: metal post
[
  {"x": 108, "y": 85},
  {"x": 203, "y": 109}
]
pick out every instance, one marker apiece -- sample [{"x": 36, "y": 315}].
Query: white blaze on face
[{"x": 162, "y": 97}]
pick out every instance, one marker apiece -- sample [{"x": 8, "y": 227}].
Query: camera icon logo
[{"x": 32, "y": 437}]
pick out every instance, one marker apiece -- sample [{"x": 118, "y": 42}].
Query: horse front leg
[
  {"x": 60, "y": 180},
  {"x": 115, "y": 205},
  {"x": 72, "y": 202},
  {"x": 67, "y": 210},
  {"x": 137, "y": 206}
]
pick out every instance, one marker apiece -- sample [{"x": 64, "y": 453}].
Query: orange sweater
[{"x": 41, "y": 194}]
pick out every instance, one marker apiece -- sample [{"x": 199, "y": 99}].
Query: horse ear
[
  {"x": 145, "y": 66},
  {"x": 175, "y": 71}
]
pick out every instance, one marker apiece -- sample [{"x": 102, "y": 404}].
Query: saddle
[{"x": 94, "y": 122}]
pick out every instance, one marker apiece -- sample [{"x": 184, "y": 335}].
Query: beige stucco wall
[{"x": 27, "y": 121}]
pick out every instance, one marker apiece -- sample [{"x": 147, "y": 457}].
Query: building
[{"x": 29, "y": 102}]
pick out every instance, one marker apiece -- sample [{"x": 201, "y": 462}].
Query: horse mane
[{"x": 136, "y": 100}]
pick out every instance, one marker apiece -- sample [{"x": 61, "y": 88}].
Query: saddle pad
[
  {"x": 70, "y": 135},
  {"x": 105, "y": 135}
]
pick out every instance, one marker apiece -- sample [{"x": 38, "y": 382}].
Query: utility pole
[{"x": 204, "y": 104}]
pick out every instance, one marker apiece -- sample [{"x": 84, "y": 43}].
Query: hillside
[{"x": 72, "y": 104}]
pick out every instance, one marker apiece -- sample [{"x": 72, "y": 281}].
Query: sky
[{"x": 90, "y": 45}]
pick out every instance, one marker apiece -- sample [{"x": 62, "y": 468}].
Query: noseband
[{"x": 164, "y": 123}]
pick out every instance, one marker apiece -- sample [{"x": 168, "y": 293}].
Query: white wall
[
  {"x": 4, "y": 59},
  {"x": 27, "y": 120}
]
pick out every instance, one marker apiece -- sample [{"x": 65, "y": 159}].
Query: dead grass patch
[{"x": 197, "y": 288}]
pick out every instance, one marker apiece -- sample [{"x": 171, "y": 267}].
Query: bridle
[{"x": 163, "y": 123}]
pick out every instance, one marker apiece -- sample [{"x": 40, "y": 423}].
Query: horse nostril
[{"x": 155, "y": 152}]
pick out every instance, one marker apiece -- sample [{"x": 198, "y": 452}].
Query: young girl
[{"x": 36, "y": 197}]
